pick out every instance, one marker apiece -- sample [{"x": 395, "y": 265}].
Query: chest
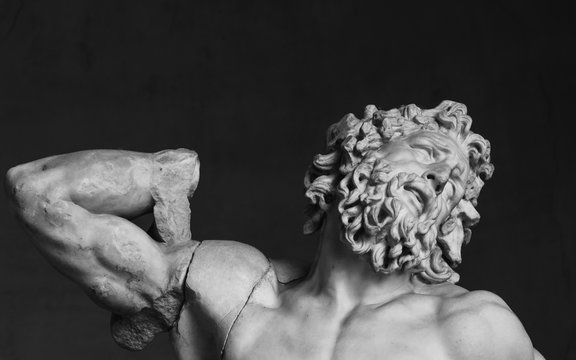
[{"x": 318, "y": 336}]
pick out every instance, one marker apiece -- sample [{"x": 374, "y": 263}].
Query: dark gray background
[{"x": 252, "y": 86}]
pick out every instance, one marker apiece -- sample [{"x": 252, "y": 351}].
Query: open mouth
[
  {"x": 415, "y": 200},
  {"x": 421, "y": 192}
]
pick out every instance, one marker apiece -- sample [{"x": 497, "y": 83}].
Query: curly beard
[{"x": 400, "y": 223}]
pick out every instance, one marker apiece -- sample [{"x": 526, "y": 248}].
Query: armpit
[{"x": 135, "y": 331}]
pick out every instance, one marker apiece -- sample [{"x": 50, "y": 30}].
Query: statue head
[{"x": 405, "y": 183}]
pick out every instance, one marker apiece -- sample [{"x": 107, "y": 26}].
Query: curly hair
[{"x": 351, "y": 172}]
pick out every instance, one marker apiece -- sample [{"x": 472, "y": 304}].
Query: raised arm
[{"x": 76, "y": 207}]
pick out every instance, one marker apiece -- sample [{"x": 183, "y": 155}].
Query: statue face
[
  {"x": 441, "y": 162},
  {"x": 406, "y": 181}
]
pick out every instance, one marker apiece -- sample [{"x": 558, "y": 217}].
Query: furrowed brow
[{"x": 439, "y": 145}]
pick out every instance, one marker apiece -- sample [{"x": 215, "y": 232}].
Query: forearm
[
  {"x": 100, "y": 181},
  {"x": 115, "y": 182}
]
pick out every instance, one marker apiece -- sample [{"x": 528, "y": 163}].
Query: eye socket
[{"x": 425, "y": 149}]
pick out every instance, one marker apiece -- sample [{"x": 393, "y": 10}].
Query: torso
[
  {"x": 275, "y": 321},
  {"x": 308, "y": 329}
]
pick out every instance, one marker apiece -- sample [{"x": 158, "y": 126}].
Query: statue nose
[{"x": 437, "y": 179}]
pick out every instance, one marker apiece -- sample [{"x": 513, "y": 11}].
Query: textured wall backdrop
[{"x": 252, "y": 86}]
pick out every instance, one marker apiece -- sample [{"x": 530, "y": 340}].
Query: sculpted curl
[{"x": 354, "y": 174}]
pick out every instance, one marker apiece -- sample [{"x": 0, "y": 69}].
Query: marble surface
[{"x": 392, "y": 200}]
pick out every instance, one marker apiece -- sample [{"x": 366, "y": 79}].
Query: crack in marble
[
  {"x": 222, "y": 352},
  {"x": 177, "y": 320}
]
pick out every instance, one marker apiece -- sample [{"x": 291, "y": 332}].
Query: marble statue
[{"x": 392, "y": 200}]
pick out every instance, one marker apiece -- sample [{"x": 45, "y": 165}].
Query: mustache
[
  {"x": 400, "y": 192},
  {"x": 451, "y": 232},
  {"x": 400, "y": 222}
]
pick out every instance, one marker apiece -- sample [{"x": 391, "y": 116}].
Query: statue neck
[{"x": 348, "y": 278}]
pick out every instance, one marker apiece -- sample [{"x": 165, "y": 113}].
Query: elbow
[
  {"x": 23, "y": 186},
  {"x": 15, "y": 184}
]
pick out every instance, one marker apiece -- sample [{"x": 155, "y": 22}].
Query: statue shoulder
[
  {"x": 224, "y": 277},
  {"x": 228, "y": 272},
  {"x": 479, "y": 324},
  {"x": 222, "y": 268}
]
